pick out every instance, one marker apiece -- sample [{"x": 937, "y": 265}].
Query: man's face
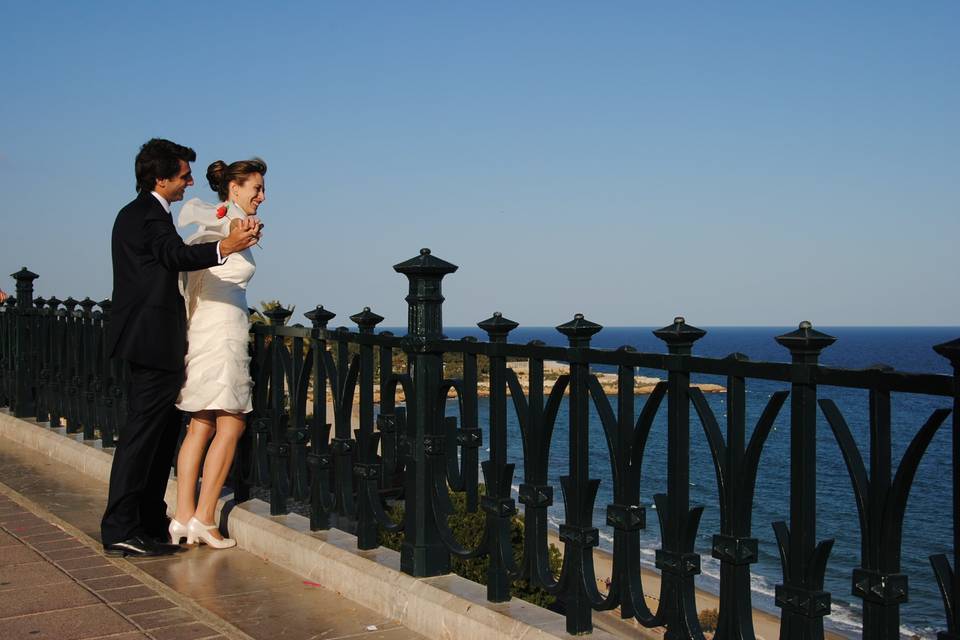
[{"x": 172, "y": 188}]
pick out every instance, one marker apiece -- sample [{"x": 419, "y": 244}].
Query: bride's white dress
[{"x": 217, "y": 361}]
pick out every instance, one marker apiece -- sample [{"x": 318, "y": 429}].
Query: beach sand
[{"x": 766, "y": 626}]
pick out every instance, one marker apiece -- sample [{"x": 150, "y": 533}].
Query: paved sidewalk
[
  {"x": 55, "y": 585},
  {"x": 55, "y": 581}
]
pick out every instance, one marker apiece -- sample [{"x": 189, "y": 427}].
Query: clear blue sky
[{"x": 737, "y": 163}]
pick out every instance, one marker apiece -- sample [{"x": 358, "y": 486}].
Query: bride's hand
[
  {"x": 248, "y": 220},
  {"x": 243, "y": 234},
  {"x": 258, "y": 225}
]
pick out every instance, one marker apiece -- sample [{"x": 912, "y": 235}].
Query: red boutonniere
[{"x": 221, "y": 211}]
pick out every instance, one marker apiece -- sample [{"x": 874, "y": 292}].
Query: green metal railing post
[
  {"x": 23, "y": 402},
  {"x": 423, "y": 552}
]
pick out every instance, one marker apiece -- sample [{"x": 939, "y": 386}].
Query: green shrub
[{"x": 468, "y": 529}]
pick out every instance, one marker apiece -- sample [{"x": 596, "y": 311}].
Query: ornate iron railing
[{"x": 52, "y": 366}]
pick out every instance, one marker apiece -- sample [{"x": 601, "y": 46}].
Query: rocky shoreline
[{"x": 643, "y": 385}]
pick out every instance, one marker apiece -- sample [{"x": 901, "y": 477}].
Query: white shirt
[
  {"x": 166, "y": 207},
  {"x": 163, "y": 201}
]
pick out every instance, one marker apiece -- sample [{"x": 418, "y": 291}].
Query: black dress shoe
[
  {"x": 158, "y": 530},
  {"x": 160, "y": 538},
  {"x": 141, "y": 546}
]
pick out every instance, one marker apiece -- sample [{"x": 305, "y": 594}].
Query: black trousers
[{"x": 144, "y": 455}]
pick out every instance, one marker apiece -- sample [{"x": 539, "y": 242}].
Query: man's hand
[{"x": 243, "y": 234}]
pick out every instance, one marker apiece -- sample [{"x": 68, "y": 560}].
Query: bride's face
[{"x": 249, "y": 195}]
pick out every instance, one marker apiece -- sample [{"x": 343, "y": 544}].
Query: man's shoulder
[
  {"x": 138, "y": 211},
  {"x": 143, "y": 202}
]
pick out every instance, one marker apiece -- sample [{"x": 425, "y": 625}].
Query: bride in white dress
[{"x": 217, "y": 389}]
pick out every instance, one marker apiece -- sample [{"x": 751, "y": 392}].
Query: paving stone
[
  {"x": 125, "y": 594},
  {"x": 295, "y": 614},
  {"x": 84, "y": 563},
  {"x": 19, "y": 519},
  {"x": 30, "y": 575},
  {"x": 113, "y": 582},
  {"x": 26, "y": 530},
  {"x": 58, "y": 543},
  {"x": 72, "y": 552},
  {"x": 190, "y": 631},
  {"x": 6, "y": 539},
  {"x": 205, "y": 573},
  {"x": 391, "y": 633},
  {"x": 164, "y": 618},
  {"x": 56, "y": 534},
  {"x": 37, "y": 531},
  {"x": 50, "y": 597},
  {"x": 143, "y": 562},
  {"x": 10, "y": 555},
  {"x": 69, "y": 624},
  {"x": 86, "y": 520},
  {"x": 97, "y": 572},
  {"x": 145, "y": 606}
]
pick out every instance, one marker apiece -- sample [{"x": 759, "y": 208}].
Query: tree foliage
[{"x": 468, "y": 528}]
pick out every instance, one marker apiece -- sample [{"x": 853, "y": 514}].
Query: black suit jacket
[{"x": 148, "y": 319}]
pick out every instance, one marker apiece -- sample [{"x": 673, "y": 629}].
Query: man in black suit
[{"x": 147, "y": 329}]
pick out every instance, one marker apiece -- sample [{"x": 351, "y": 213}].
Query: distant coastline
[{"x": 643, "y": 385}]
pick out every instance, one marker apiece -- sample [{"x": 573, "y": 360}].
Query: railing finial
[{"x": 497, "y": 327}]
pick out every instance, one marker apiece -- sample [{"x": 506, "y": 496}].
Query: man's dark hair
[{"x": 160, "y": 159}]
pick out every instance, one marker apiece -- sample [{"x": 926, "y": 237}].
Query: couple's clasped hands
[{"x": 244, "y": 233}]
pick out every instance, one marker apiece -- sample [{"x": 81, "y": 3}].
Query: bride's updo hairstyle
[{"x": 220, "y": 174}]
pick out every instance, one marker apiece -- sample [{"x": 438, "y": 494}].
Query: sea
[{"x": 927, "y": 527}]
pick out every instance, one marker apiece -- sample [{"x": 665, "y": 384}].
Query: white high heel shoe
[
  {"x": 200, "y": 532},
  {"x": 177, "y": 531}
]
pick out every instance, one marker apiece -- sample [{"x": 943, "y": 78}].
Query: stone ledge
[{"x": 446, "y": 607}]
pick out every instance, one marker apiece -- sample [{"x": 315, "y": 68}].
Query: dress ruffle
[{"x": 218, "y": 375}]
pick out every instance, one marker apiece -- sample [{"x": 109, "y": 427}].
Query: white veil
[{"x": 210, "y": 228}]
